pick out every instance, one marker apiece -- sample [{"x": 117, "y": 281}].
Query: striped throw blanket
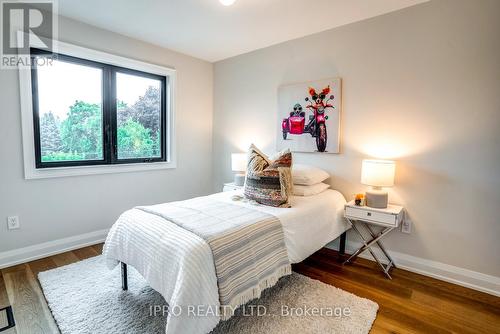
[{"x": 248, "y": 245}]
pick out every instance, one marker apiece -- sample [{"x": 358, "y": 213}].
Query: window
[
  {"x": 139, "y": 116},
  {"x": 92, "y": 113}
]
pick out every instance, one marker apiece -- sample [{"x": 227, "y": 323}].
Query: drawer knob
[{"x": 368, "y": 213}]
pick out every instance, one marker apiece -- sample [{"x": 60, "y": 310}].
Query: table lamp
[
  {"x": 378, "y": 174},
  {"x": 239, "y": 164}
]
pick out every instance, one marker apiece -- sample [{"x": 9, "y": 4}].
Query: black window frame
[{"x": 109, "y": 112}]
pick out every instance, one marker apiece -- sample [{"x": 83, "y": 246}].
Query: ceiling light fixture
[{"x": 227, "y": 2}]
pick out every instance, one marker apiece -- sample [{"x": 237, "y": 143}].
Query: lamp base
[
  {"x": 239, "y": 180},
  {"x": 376, "y": 198}
]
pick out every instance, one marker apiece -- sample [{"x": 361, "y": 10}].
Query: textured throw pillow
[
  {"x": 299, "y": 190},
  {"x": 269, "y": 181},
  {"x": 308, "y": 175}
]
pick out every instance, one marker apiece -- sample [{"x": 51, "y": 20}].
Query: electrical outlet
[
  {"x": 406, "y": 225},
  {"x": 13, "y": 223}
]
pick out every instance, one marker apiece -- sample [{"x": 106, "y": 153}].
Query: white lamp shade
[
  {"x": 378, "y": 173},
  {"x": 239, "y": 162}
]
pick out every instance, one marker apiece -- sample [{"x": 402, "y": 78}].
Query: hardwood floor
[
  {"x": 409, "y": 303},
  {"x": 20, "y": 289}
]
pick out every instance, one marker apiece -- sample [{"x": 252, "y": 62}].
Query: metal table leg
[
  {"x": 367, "y": 244},
  {"x": 379, "y": 244}
]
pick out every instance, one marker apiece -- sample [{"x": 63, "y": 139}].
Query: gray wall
[
  {"x": 422, "y": 86},
  {"x": 61, "y": 207}
]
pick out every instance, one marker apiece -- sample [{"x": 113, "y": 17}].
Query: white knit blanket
[{"x": 173, "y": 245}]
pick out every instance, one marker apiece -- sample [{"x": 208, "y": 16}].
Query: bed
[
  {"x": 180, "y": 265},
  {"x": 305, "y": 235}
]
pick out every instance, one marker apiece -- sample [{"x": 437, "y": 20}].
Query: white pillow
[
  {"x": 308, "y": 175},
  {"x": 299, "y": 190}
]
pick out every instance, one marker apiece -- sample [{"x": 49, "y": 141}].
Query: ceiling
[{"x": 208, "y": 30}]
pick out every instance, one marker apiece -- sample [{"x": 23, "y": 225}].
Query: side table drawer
[{"x": 372, "y": 216}]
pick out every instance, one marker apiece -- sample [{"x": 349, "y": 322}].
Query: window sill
[{"x": 34, "y": 173}]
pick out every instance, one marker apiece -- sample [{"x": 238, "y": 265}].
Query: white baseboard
[
  {"x": 445, "y": 272},
  {"x": 456, "y": 275},
  {"x": 35, "y": 252}
]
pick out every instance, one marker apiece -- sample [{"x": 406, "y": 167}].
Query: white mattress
[{"x": 311, "y": 222}]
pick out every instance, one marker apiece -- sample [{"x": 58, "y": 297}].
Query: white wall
[
  {"x": 56, "y": 208},
  {"x": 422, "y": 86}
]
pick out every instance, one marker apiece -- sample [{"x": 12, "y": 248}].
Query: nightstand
[
  {"x": 364, "y": 217},
  {"x": 231, "y": 186}
]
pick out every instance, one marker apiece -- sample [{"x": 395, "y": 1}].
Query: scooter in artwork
[{"x": 295, "y": 123}]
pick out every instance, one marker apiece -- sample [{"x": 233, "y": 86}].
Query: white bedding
[
  {"x": 179, "y": 264},
  {"x": 311, "y": 222}
]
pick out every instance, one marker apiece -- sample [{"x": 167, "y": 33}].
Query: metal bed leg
[
  {"x": 124, "y": 276},
  {"x": 342, "y": 243},
  {"x": 343, "y": 237}
]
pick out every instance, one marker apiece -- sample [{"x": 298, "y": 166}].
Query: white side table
[
  {"x": 388, "y": 219},
  {"x": 231, "y": 186}
]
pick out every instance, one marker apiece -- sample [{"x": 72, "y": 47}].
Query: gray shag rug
[{"x": 86, "y": 297}]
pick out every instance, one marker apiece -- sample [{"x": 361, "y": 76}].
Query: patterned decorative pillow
[{"x": 269, "y": 181}]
